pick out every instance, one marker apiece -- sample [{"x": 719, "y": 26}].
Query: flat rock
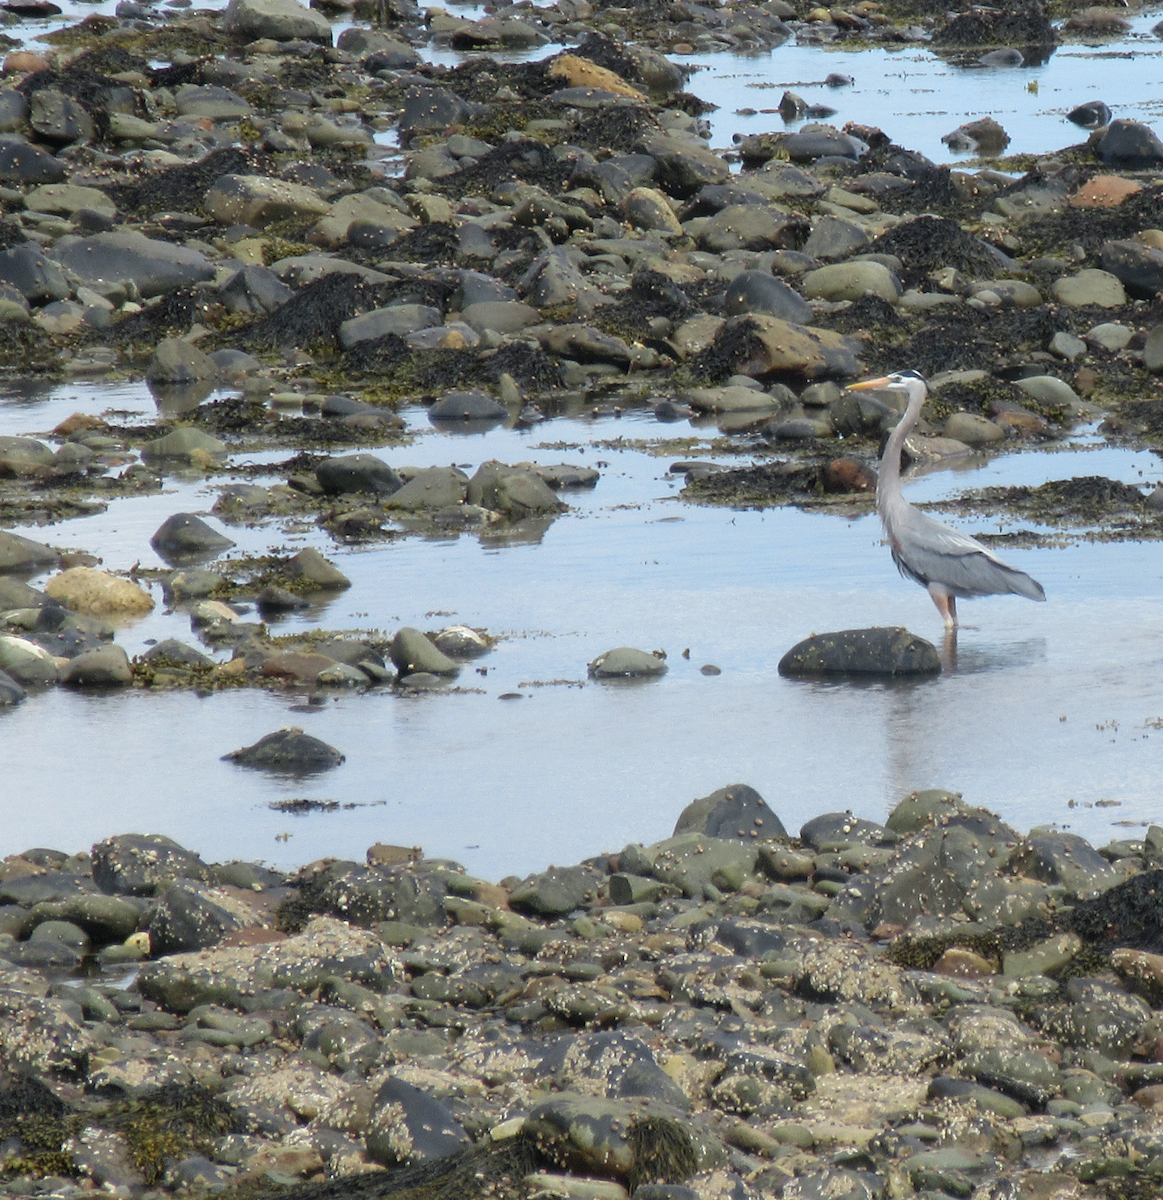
[
  {"x": 1090, "y": 287},
  {"x": 624, "y": 662},
  {"x": 876, "y": 651},
  {"x": 279, "y": 20},
  {"x": 154, "y": 267},
  {"x": 259, "y": 200},
  {"x": 851, "y": 281}
]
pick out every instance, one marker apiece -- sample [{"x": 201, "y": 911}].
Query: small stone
[{"x": 1090, "y": 287}]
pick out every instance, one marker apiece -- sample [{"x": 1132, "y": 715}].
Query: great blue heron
[{"x": 943, "y": 560}]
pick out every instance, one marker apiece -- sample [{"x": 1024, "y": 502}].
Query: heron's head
[{"x": 911, "y": 383}]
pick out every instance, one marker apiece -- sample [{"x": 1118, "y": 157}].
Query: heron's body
[{"x": 950, "y": 564}]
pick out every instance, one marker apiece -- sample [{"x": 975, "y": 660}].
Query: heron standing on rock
[{"x": 946, "y": 562}]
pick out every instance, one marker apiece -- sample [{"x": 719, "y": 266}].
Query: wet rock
[
  {"x": 34, "y": 276},
  {"x": 185, "y": 535},
  {"x": 877, "y": 651},
  {"x": 555, "y": 892},
  {"x": 647, "y": 208},
  {"x": 366, "y": 895},
  {"x": 471, "y": 405},
  {"x": 1026, "y": 1075},
  {"x": 254, "y": 289},
  {"x": 1139, "y": 267},
  {"x": 23, "y": 554},
  {"x": 260, "y": 201},
  {"x": 213, "y": 103},
  {"x": 104, "y": 667},
  {"x": 289, "y": 751},
  {"x": 399, "y": 319},
  {"x": 773, "y": 345},
  {"x": 412, "y": 652},
  {"x": 408, "y": 1126},
  {"x": 23, "y": 163},
  {"x": 1047, "y": 389},
  {"x": 501, "y": 316},
  {"x": 984, "y": 136},
  {"x": 279, "y": 20},
  {"x": 1094, "y": 114},
  {"x": 746, "y": 227},
  {"x": 59, "y": 118},
  {"x": 683, "y": 166},
  {"x": 357, "y": 473},
  {"x": 173, "y": 651},
  {"x": 820, "y": 141},
  {"x": 514, "y": 491},
  {"x": 735, "y": 811},
  {"x": 761, "y": 292},
  {"x": 972, "y": 429},
  {"x": 311, "y": 567},
  {"x": 830, "y": 830},
  {"x": 1066, "y": 859},
  {"x": 834, "y": 238},
  {"x": 1130, "y": 146},
  {"x": 98, "y": 594},
  {"x": 39, "y": 1035},
  {"x": 10, "y": 691},
  {"x": 592, "y": 1136},
  {"x": 184, "y": 444},
  {"x": 434, "y": 487},
  {"x": 624, "y": 662},
  {"x": 153, "y": 267},
  {"x": 192, "y": 916},
  {"x": 26, "y": 662},
  {"x": 176, "y": 361}
]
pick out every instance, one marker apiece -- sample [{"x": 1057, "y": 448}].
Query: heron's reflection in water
[{"x": 973, "y": 660}]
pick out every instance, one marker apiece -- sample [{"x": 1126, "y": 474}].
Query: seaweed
[
  {"x": 173, "y": 314},
  {"x": 524, "y": 161},
  {"x": 184, "y": 188},
  {"x": 434, "y": 243},
  {"x": 928, "y": 243},
  {"x": 40, "y": 1122},
  {"x": 1128, "y": 914},
  {"x": 735, "y": 343},
  {"x": 763, "y": 485},
  {"x": 313, "y": 315},
  {"x": 174, "y": 1122}
]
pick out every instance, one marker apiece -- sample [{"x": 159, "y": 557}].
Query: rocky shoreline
[{"x": 934, "y": 1007}]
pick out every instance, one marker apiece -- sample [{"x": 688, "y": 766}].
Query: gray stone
[
  {"x": 398, "y": 319},
  {"x": 311, "y": 567},
  {"x": 357, "y": 473},
  {"x": 184, "y": 443},
  {"x": 625, "y": 662},
  {"x": 34, "y": 276},
  {"x": 68, "y": 199},
  {"x": 10, "y": 691},
  {"x": 501, "y": 316},
  {"x": 216, "y": 103},
  {"x": 877, "y": 651},
  {"x": 851, "y": 281},
  {"x": 761, "y": 292},
  {"x": 26, "y": 662},
  {"x": 59, "y": 118},
  {"x": 972, "y": 429},
  {"x": 153, "y": 267},
  {"x": 780, "y": 347},
  {"x": 21, "y": 162},
  {"x": 746, "y": 227},
  {"x": 412, "y": 652},
  {"x": 254, "y": 289},
  {"x": 186, "y": 534},
  {"x": 287, "y": 751},
  {"x": 1025, "y": 1075},
  {"x": 1110, "y": 336},
  {"x": 260, "y": 200},
  {"x": 830, "y": 830},
  {"x": 104, "y": 667},
  {"x": 407, "y": 1125},
  {"x": 1137, "y": 266},
  {"x": 280, "y": 20},
  {"x": 137, "y": 864},
  {"x": 1066, "y": 859},
  {"x": 434, "y": 487},
  {"x": 835, "y": 238},
  {"x": 1130, "y": 145},
  {"x": 648, "y": 208},
  {"x": 1090, "y": 287},
  {"x": 819, "y": 142},
  {"x": 738, "y": 811},
  {"x": 683, "y": 166},
  {"x": 177, "y": 361},
  {"x": 514, "y": 491},
  {"x": 175, "y": 652},
  {"x": 1047, "y": 389},
  {"x": 1067, "y": 346},
  {"x": 555, "y": 892},
  {"x": 192, "y": 916}
]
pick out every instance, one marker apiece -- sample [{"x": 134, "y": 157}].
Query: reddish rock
[{"x": 1104, "y": 191}]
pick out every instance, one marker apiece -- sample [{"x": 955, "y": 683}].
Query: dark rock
[
  {"x": 138, "y": 864},
  {"x": 809, "y": 145},
  {"x": 412, "y": 652},
  {"x": 1139, "y": 268},
  {"x": 153, "y": 267},
  {"x": 431, "y": 109},
  {"x": 515, "y": 491},
  {"x": 626, "y": 662},
  {"x": 738, "y": 811},
  {"x": 555, "y": 892},
  {"x": 1130, "y": 146},
  {"x": 34, "y": 276},
  {"x": 357, "y": 473},
  {"x": 185, "y": 536},
  {"x": 1026, "y": 1075},
  {"x": 10, "y": 691},
  {"x": 407, "y": 1125},
  {"x": 1063, "y": 858},
  {"x": 761, "y": 292},
  {"x": 367, "y": 895},
  {"x": 192, "y": 916},
  {"x": 101, "y": 667},
  {"x": 467, "y": 406},
  {"x": 876, "y": 651},
  {"x": 23, "y": 554},
  {"x": 59, "y": 118},
  {"x": 21, "y": 162},
  {"x": 254, "y": 289},
  {"x": 843, "y": 829},
  {"x": 1092, "y": 115},
  {"x": 288, "y": 751}
]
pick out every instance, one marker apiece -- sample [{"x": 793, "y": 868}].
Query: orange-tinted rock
[
  {"x": 24, "y": 62},
  {"x": 1104, "y": 191},
  {"x": 302, "y": 668},
  {"x": 957, "y": 960},
  {"x": 1150, "y": 1096},
  {"x": 252, "y": 935},
  {"x": 849, "y": 475},
  {"x": 383, "y": 855},
  {"x": 78, "y": 420}
]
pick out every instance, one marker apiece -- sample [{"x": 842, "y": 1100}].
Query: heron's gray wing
[{"x": 932, "y": 552}]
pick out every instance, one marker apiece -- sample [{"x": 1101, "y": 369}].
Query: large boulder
[
  {"x": 279, "y": 20},
  {"x": 877, "y": 651},
  {"x": 34, "y": 276},
  {"x": 287, "y": 751},
  {"x": 153, "y": 267},
  {"x": 738, "y": 811}
]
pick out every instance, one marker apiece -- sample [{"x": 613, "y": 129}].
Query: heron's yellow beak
[{"x": 883, "y": 381}]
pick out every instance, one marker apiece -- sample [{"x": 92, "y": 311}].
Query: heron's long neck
[{"x": 888, "y": 486}]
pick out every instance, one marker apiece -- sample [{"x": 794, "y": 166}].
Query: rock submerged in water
[
  {"x": 876, "y": 651},
  {"x": 289, "y": 751},
  {"x": 625, "y": 662}
]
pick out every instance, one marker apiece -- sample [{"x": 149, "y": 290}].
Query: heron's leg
[{"x": 946, "y": 604}]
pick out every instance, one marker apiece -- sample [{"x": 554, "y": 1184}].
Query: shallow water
[
  {"x": 1042, "y": 705},
  {"x": 1046, "y": 704}
]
